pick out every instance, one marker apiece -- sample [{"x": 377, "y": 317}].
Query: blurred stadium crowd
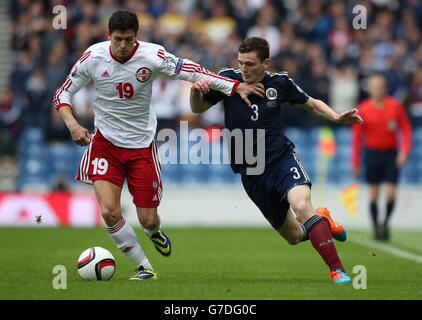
[{"x": 314, "y": 41}]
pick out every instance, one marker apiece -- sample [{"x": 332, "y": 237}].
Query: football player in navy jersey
[{"x": 282, "y": 189}]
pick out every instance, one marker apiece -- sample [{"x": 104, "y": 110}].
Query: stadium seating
[{"x": 42, "y": 164}]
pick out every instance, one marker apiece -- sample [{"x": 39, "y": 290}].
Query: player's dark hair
[
  {"x": 259, "y": 45},
  {"x": 122, "y": 21}
]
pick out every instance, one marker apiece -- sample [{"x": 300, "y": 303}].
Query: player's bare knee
[
  {"x": 149, "y": 222},
  {"x": 111, "y": 216},
  {"x": 295, "y": 236},
  {"x": 291, "y": 236},
  {"x": 292, "y": 241},
  {"x": 302, "y": 209}
]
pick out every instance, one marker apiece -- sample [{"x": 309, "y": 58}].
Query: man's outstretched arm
[
  {"x": 320, "y": 108},
  {"x": 173, "y": 67}
]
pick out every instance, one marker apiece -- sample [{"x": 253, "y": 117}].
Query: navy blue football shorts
[
  {"x": 269, "y": 190},
  {"x": 380, "y": 166}
]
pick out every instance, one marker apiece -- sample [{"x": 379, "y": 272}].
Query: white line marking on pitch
[{"x": 388, "y": 249}]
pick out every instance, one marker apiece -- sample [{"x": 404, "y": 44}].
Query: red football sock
[{"x": 322, "y": 241}]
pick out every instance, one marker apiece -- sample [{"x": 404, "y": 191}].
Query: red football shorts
[{"x": 141, "y": 167}]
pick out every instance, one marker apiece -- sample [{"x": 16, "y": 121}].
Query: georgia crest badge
[{"x": 143, "y": 74}]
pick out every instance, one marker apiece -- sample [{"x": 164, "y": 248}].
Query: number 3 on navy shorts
[
  {"x": 296, "y": 171},
  {"x": 299, "y": 170}
]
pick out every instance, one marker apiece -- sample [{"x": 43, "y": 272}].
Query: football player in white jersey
[{"x": 123, "y": 147}]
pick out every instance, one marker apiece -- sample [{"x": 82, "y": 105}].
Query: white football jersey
[{"x": 123, "y": 89}]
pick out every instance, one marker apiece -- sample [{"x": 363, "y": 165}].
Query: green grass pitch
[{"x": 206, "y": 263}]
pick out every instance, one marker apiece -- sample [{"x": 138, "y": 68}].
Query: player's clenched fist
[
  {"x": 79, "y": 134},
  {"x": 202, "y": 85}
]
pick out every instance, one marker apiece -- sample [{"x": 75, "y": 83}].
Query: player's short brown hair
[
  {"x": 259, "y": 45},
  {"x": 122, "y": 21}
]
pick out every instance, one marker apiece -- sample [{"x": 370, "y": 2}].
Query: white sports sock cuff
[
  {"x": 116, "y": 227},
  {"x": 146, "y": 264},
  {"x": 152, "y": 231}
]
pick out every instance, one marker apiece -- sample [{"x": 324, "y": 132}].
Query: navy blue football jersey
[{"x": 264, "y": 113}]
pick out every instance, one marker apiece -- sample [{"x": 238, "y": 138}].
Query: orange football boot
[{"x": 337, "y": 230}]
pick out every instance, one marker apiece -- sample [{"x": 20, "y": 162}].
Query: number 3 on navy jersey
[
  {"x": 296, "y": 171},
  {"x": 255, "y": 110}
]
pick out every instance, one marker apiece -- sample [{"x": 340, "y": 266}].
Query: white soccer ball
[{"x": 96, "y": 264}]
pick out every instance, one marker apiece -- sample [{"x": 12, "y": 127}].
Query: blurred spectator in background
[
  {"x": 21, "y": 73},
  {"x": 11, "y": 110},
  {"x": 415, "y": 97},
  {"x": 84, "y": 99},
  {"x": 265, "y": 27},
  {"x": 37, "y": 93},
  {"x": 56, "y": 67},
  {"x": 172, "y": 21},
  {"x": 343, "y": 88},
  {"x": 317, "y": 85},
  {"x": 61, "y": 184},
  {"x": 164, "y": 98},
  {"x": 314, "y": 25},
  {"x": 243, "y": 13},
  {"x": 384, "y": 119},
  {"x": 56, "y": 130},
  {"x": 220, "y": 24}
]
